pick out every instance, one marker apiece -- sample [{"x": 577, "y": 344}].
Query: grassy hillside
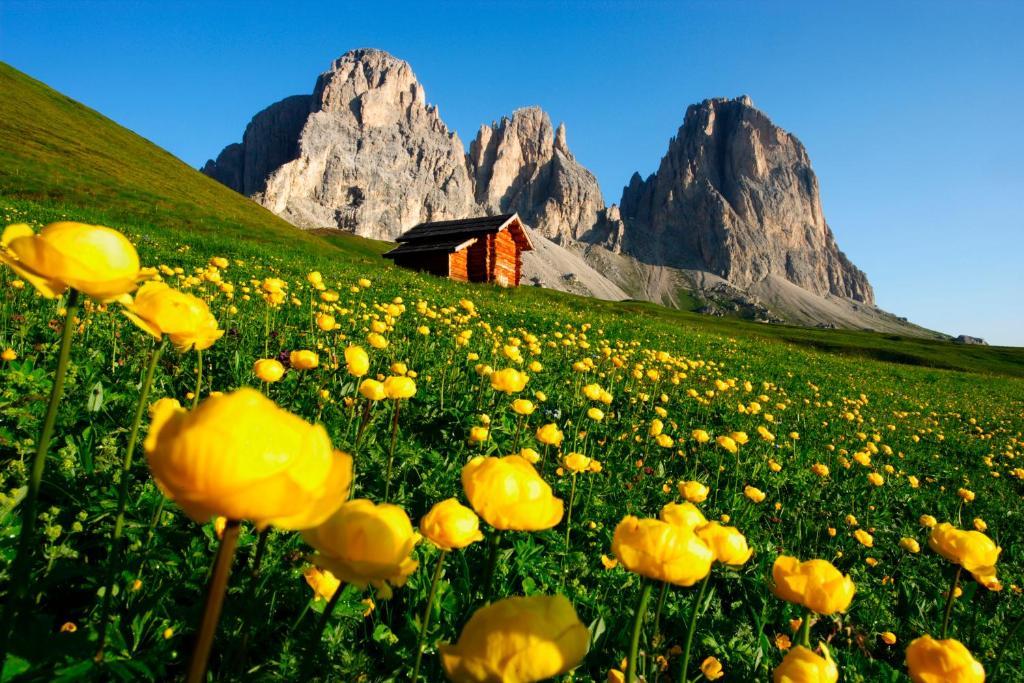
[{"x": 58, "y": 157}]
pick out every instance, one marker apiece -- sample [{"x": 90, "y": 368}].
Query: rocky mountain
[
  {"x": 732, "y": 217},
  {"x": 364, "y": 152},
  {"x": 735, "y": 195},
  {"x": 521, "y": 164}
]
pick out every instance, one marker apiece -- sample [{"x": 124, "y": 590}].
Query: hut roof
[{"x": 453, "y": 235}]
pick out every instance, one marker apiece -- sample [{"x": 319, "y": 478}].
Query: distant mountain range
[{"x": 730, "y": 223}]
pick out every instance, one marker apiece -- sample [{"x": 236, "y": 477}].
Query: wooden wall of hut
[{"x": 506, "y": 260}]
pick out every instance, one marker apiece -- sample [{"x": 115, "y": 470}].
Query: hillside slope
[
  {"x": 60, "y": 159},
  {"x": 57, "y": 152}
]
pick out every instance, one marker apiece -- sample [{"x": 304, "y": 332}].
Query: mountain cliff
[
  {"x": 521, "y": 164},
  {"x": 732, "y": 214},
  {"x": 735, "y": 195}
]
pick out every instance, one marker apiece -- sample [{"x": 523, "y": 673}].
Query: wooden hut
[{"x": 483, "y": 249}]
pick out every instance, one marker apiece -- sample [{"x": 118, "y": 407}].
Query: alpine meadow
[{"x": 234, "y": 449}]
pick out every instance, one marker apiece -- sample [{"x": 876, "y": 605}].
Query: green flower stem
[
  {"x": 519, "y": 431},
  {"x": 426, "y": 615},
  {"x": 805, "y": 629},
  {"x": 692, "y": 629},
  {"x": 261, "y": 550},
  {"x": 391, "y": 453},
  {"x": 363, "y": 421},
  {"x": 492, "y": 563},
  {"x": 638, "y": 624},
  {"x": 949, "y": 601},
  {"x": 199, "y": 378},
  {"x": 568, "y": 517},
  {"x": 321, "y": 626},
  {"x": 114, "y": 551},
  {"x": 214, "y": 601},
  {"x": 662, "y": 595},
  {"x": 22, "y": 559}
]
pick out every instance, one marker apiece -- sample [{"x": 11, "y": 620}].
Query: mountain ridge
[{"x": 734, "y": 196}]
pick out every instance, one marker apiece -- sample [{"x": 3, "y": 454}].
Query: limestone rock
[
  {"x": 370, "y": 154},
  {"x": 522, "y": 164},
  {"x": 736, "y": 195}
]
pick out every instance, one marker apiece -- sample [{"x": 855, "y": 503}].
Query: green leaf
[{"x": 95, "y": 401}]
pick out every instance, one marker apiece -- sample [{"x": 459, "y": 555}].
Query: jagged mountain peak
[{"x": 736, "y": 195}]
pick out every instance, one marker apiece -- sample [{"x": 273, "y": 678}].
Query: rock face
[
  {"x": 367, "y": 154},
  {"x": 522, "y": 164},
  {"x": 733, "y": 208},
  {"x": 736, "y": 195}
]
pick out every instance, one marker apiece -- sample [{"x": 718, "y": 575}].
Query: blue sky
[{"x": 911, "y": 111}]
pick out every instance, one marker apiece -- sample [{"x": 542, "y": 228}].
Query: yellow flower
[
  {"x": 910, "y": 545},
  {"x": 815, "y": 584},
  {"x": 268, "y": 369},
  {"x": 712, "y": 669},
  {"x": 372, "y": 389},
  {"x": 616, "y": 676},
  {"x": 864, "y": 538},
  {"x": 550, "y": 435},
  {"x": 509, "y": 494},
  {"x": 363, "y": 282},
  {"x": 399, "y": 387},
  {"x": 303, "y": 360},
  {"x": 509, "y": 380},
  {"x": 323, "y": 583},
  {"x": 876, "y": 479},
  {"x": 700, "y": 436},
  {"x": 966, "y": 495},
  {"x": 888, "y": 637},
  {"x": 693, "y": 491},
  {"x": 478, "y": 434},
  {"x": 783, "y": 642},
  {"x": 363, "y": 543},
  {"x": 240, "y": 456},
  {"x": 820, "y": 469},
  {"x": 522, "y": 406},
  {"x": 739, "y": 437},
  {"x": 684, "y": 515},
  {"x": 972, "y": 550},
  {"x": 595, "y": 414},
  {"x": 753, "y": 493},
  {"x": 356, "y": 361},
  {"x": 657, "y": 426},
  {"x": 185, "y": 319},
  {"x": 609, "y": 562},
  {"x": 728, "y": 544},
  {"x": 95, "y": 260},
  {"x": 804, "y": 666},
  {"x": 531, "y": 456},
  {"x": 576, "y": 462},
  {"x": 377, "y": 341},
  {"x": 451, "y": 525},
  {"x": 927, "y": 521},
  {"x": 661, "y": 551},
  {"x": 326, "y": 322},
  {"x": 518, "y": 640},
  {"x": 728, "y": 443},
  {"x": 9, "y": 354},
  {"x": 942, "y": 661}
]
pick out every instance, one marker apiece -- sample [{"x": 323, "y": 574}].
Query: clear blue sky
[{"x": 912, "y": 112}]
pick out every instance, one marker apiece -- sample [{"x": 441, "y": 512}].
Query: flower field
[{"x": 274, "y": 468}]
